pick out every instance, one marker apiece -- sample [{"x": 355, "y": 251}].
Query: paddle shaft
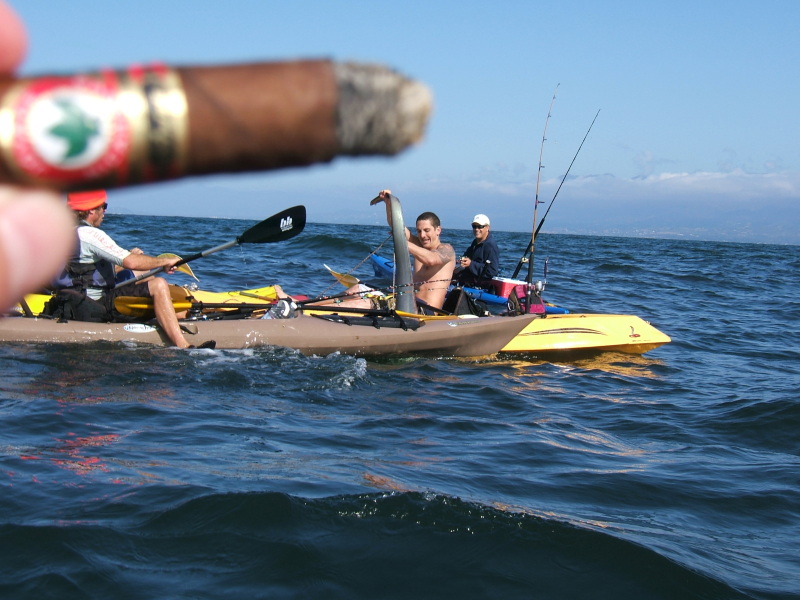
[
  {"x": 131, "y": 304},
  {"x": 281, "y": 226},
  {"x": 141, "y": 303},
  {"x": 182, "y": 261}
]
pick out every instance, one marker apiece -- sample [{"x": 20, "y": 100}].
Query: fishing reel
[
  {"x": 283, "y": 309},
  {"x": 526, "y": 299},
  {"x": 195, "y": 313}
]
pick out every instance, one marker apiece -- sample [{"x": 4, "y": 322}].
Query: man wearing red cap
[{"x": 92, "y": 270}]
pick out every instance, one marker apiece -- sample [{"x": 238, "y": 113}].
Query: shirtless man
[{"x": 434, "y": 262}]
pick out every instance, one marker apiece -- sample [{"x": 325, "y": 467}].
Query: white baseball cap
[{"x": 481, "y": 219}]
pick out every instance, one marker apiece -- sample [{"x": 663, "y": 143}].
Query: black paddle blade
[{"x": 277, "y": 228}]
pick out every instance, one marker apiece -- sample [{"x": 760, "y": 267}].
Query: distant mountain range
[{"x": 759, "y": 222}]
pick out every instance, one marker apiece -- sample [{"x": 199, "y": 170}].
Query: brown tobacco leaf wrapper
[{"x": 151, "y": 123}]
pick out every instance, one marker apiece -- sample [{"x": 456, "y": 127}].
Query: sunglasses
[
  {"x": 476, "y": 226},
  {"x": 104, "y": 206}
]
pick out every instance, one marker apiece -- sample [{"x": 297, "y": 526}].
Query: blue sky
[{"x": 696, "y": 137}]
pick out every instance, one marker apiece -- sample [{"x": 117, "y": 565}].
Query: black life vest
[{"x": 81, "y": 276}]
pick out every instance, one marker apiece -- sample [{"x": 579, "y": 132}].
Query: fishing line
[
  {"x": 527, "y": 256},
  {"x": 366, "y": 258},
  {"x": 388, "y": 288},
  {"x": 563, "y": 179}
]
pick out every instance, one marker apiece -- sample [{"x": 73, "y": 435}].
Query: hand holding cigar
[{"x": 152, "y": 123}]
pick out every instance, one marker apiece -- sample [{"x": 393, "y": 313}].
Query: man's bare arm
[{"x": 430, "y": 258}]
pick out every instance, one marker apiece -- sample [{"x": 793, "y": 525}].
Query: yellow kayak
[
  {"x": 262, "y": 295},
  {"x": 582, "y": 332}
]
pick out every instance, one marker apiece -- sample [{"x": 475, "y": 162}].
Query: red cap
[{"x": 86, "y": 200}]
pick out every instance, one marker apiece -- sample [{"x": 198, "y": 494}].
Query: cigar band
[{"x": 105, "y": 128}]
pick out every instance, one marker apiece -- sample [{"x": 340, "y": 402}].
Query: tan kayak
[{"x": 311, "y": 335}]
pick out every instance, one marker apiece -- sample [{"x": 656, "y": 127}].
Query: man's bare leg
[{"x": 165, "y": 313}]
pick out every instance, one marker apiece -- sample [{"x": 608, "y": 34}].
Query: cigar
[{"x": 152, "y": 123}]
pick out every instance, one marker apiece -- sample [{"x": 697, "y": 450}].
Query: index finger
[{"x": 13, "y": 39}]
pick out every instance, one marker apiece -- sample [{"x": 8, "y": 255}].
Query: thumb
[{"x": 37, "y": 232}]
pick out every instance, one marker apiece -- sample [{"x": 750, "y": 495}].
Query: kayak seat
[
  {"x": 71, "y": 305},
  {"x": 458, "y": 302}
]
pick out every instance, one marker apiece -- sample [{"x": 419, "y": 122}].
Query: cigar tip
[{"x": 379, "y": 111}]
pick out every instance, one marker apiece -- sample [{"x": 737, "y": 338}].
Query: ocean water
[{"x": 131, "y": 472}]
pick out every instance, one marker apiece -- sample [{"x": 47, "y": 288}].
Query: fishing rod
[
  {"x": 565, "y": 177},
  {"x": 530, "y": 248},
  {"x": 536, "y": 197}
]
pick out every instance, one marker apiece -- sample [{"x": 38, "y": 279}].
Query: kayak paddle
[
  {"x": 141, "y": 308},
  {"x": 343, "y": 278},
  {"x": 182, "y": 268},
  {"x": 277, "y": 228}
]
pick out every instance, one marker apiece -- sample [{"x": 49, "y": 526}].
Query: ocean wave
[{"x": 386, "y": 545}]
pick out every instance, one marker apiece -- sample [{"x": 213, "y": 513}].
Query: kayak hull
[
  {"x": 565, "y": 333},
  {"x": 307, "y": 334}
]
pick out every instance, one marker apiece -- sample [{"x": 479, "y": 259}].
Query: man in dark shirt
[{"x": 481, "y": 261}]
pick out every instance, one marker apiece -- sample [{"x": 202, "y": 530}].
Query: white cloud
[
  {"x": 727, "y": 206},
  {"x": 734, "y": 185},
  {"x": 732, "y": 206}
]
